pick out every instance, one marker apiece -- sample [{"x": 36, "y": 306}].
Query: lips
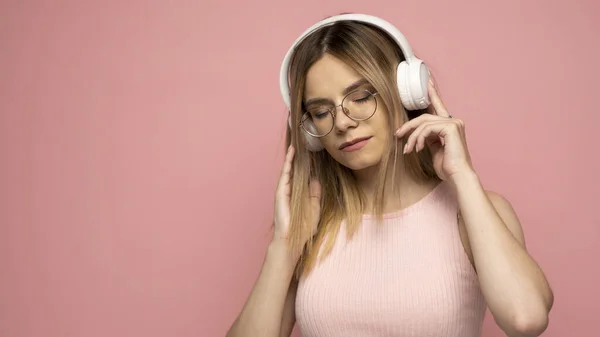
[{"x": 352, "y": 142}]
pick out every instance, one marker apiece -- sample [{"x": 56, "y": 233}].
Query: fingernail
[{"x": 405, "y": 146}]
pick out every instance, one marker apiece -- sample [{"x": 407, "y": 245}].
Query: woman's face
[{"x": 327, "y": 83}]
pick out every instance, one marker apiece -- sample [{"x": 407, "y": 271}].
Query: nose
[{"x": 342, "y": 121}]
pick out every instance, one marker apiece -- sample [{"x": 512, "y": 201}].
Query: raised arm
[
  {"x": 263, "y": 312},
  {"x": 269, "y": 309}
]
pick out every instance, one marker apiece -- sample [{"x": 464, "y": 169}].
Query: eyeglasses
[{"x": 319, "y": 119}]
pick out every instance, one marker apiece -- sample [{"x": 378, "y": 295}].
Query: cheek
[
  {"x": 380, "y": 130},
  {"x": 331, "y": 146},
  {"x": 329, "y": 143}
]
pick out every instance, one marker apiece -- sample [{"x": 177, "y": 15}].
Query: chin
[
  {"x": 358, "y": 162},
  {"x": 359, "y": 166}
]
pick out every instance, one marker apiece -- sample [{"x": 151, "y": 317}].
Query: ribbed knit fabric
[{"x": 409, "y": 276}]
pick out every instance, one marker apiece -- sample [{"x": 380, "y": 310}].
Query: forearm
[
  {"x": 512, "y": 283},
  {"x": 262, "y": 313}
]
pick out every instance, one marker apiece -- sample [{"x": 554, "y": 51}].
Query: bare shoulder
[
  {"x": 498, "y": 200},
  {"x": 506, "y": 211},
  {"x": 508, "y": 215}
]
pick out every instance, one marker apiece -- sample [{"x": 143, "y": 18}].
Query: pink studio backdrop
[{"x": 141, "y": 142}]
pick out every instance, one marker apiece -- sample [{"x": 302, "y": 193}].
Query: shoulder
[
  {"x": 498, "y": 200},
  {"x": 505, "y": 210}
]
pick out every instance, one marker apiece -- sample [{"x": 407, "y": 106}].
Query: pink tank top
[{"x": 409, "y": 276}]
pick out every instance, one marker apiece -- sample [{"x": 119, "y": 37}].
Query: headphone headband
[
  {"x": 412, "y": 74},
  {"x": 369, "y": 19}
]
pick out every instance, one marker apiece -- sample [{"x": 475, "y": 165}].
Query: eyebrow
[{"x": 346, "y": 91}]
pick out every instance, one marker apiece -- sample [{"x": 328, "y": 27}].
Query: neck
[{"x": 405, "y": 190}]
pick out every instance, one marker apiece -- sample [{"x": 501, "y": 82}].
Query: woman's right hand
[{"x": 282, "y": 203}]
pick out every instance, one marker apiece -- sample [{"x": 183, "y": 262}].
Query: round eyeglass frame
[{"x": 333, "y": 110}]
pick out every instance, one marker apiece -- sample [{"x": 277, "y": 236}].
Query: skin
[
  {"x": 323, "y": 81},
  {"x": 327, "y": 79},
  {"x": 514, "y": 286}
]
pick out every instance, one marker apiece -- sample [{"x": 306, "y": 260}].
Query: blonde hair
[{"x": 374, "y": 55}]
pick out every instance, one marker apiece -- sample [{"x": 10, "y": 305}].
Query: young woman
[{"x": 381, "y": 225}]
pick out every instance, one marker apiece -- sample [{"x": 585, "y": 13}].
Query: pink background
[{"x": 140, "y": 145}]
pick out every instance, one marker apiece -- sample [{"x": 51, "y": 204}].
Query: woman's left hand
[{"x": 443, "y": 134}]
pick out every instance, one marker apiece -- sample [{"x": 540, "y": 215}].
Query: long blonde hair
[{"x": 374, "y": 55}]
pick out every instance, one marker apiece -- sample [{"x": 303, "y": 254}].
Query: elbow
[
  {"x": 527, "y": 320},
  {"x": 528, "y": 324},
  {"x": 531, "y": 326}
]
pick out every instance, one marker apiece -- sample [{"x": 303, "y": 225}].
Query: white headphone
[{"x": 412, "y": 74}]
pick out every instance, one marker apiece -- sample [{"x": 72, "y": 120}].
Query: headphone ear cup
[
  {"x": 413, "y": 80},
  {"x": 403, "y": 87},
  {"x": 418, "y": 79},
  {"x": 312, "y": 144}
]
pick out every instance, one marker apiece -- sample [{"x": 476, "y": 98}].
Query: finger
[
  {"x": 286, "y": 170},
  {"x": 315, "y": 190},
  {"x": 315, "y": 203},
  {"x": 431, "y": 131},
  {"x": 412, "y": 139},
  {"x": 413, "y": 124},
  {"x": 436, "y": 101},
  {"x": 440, "y": 132}
]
